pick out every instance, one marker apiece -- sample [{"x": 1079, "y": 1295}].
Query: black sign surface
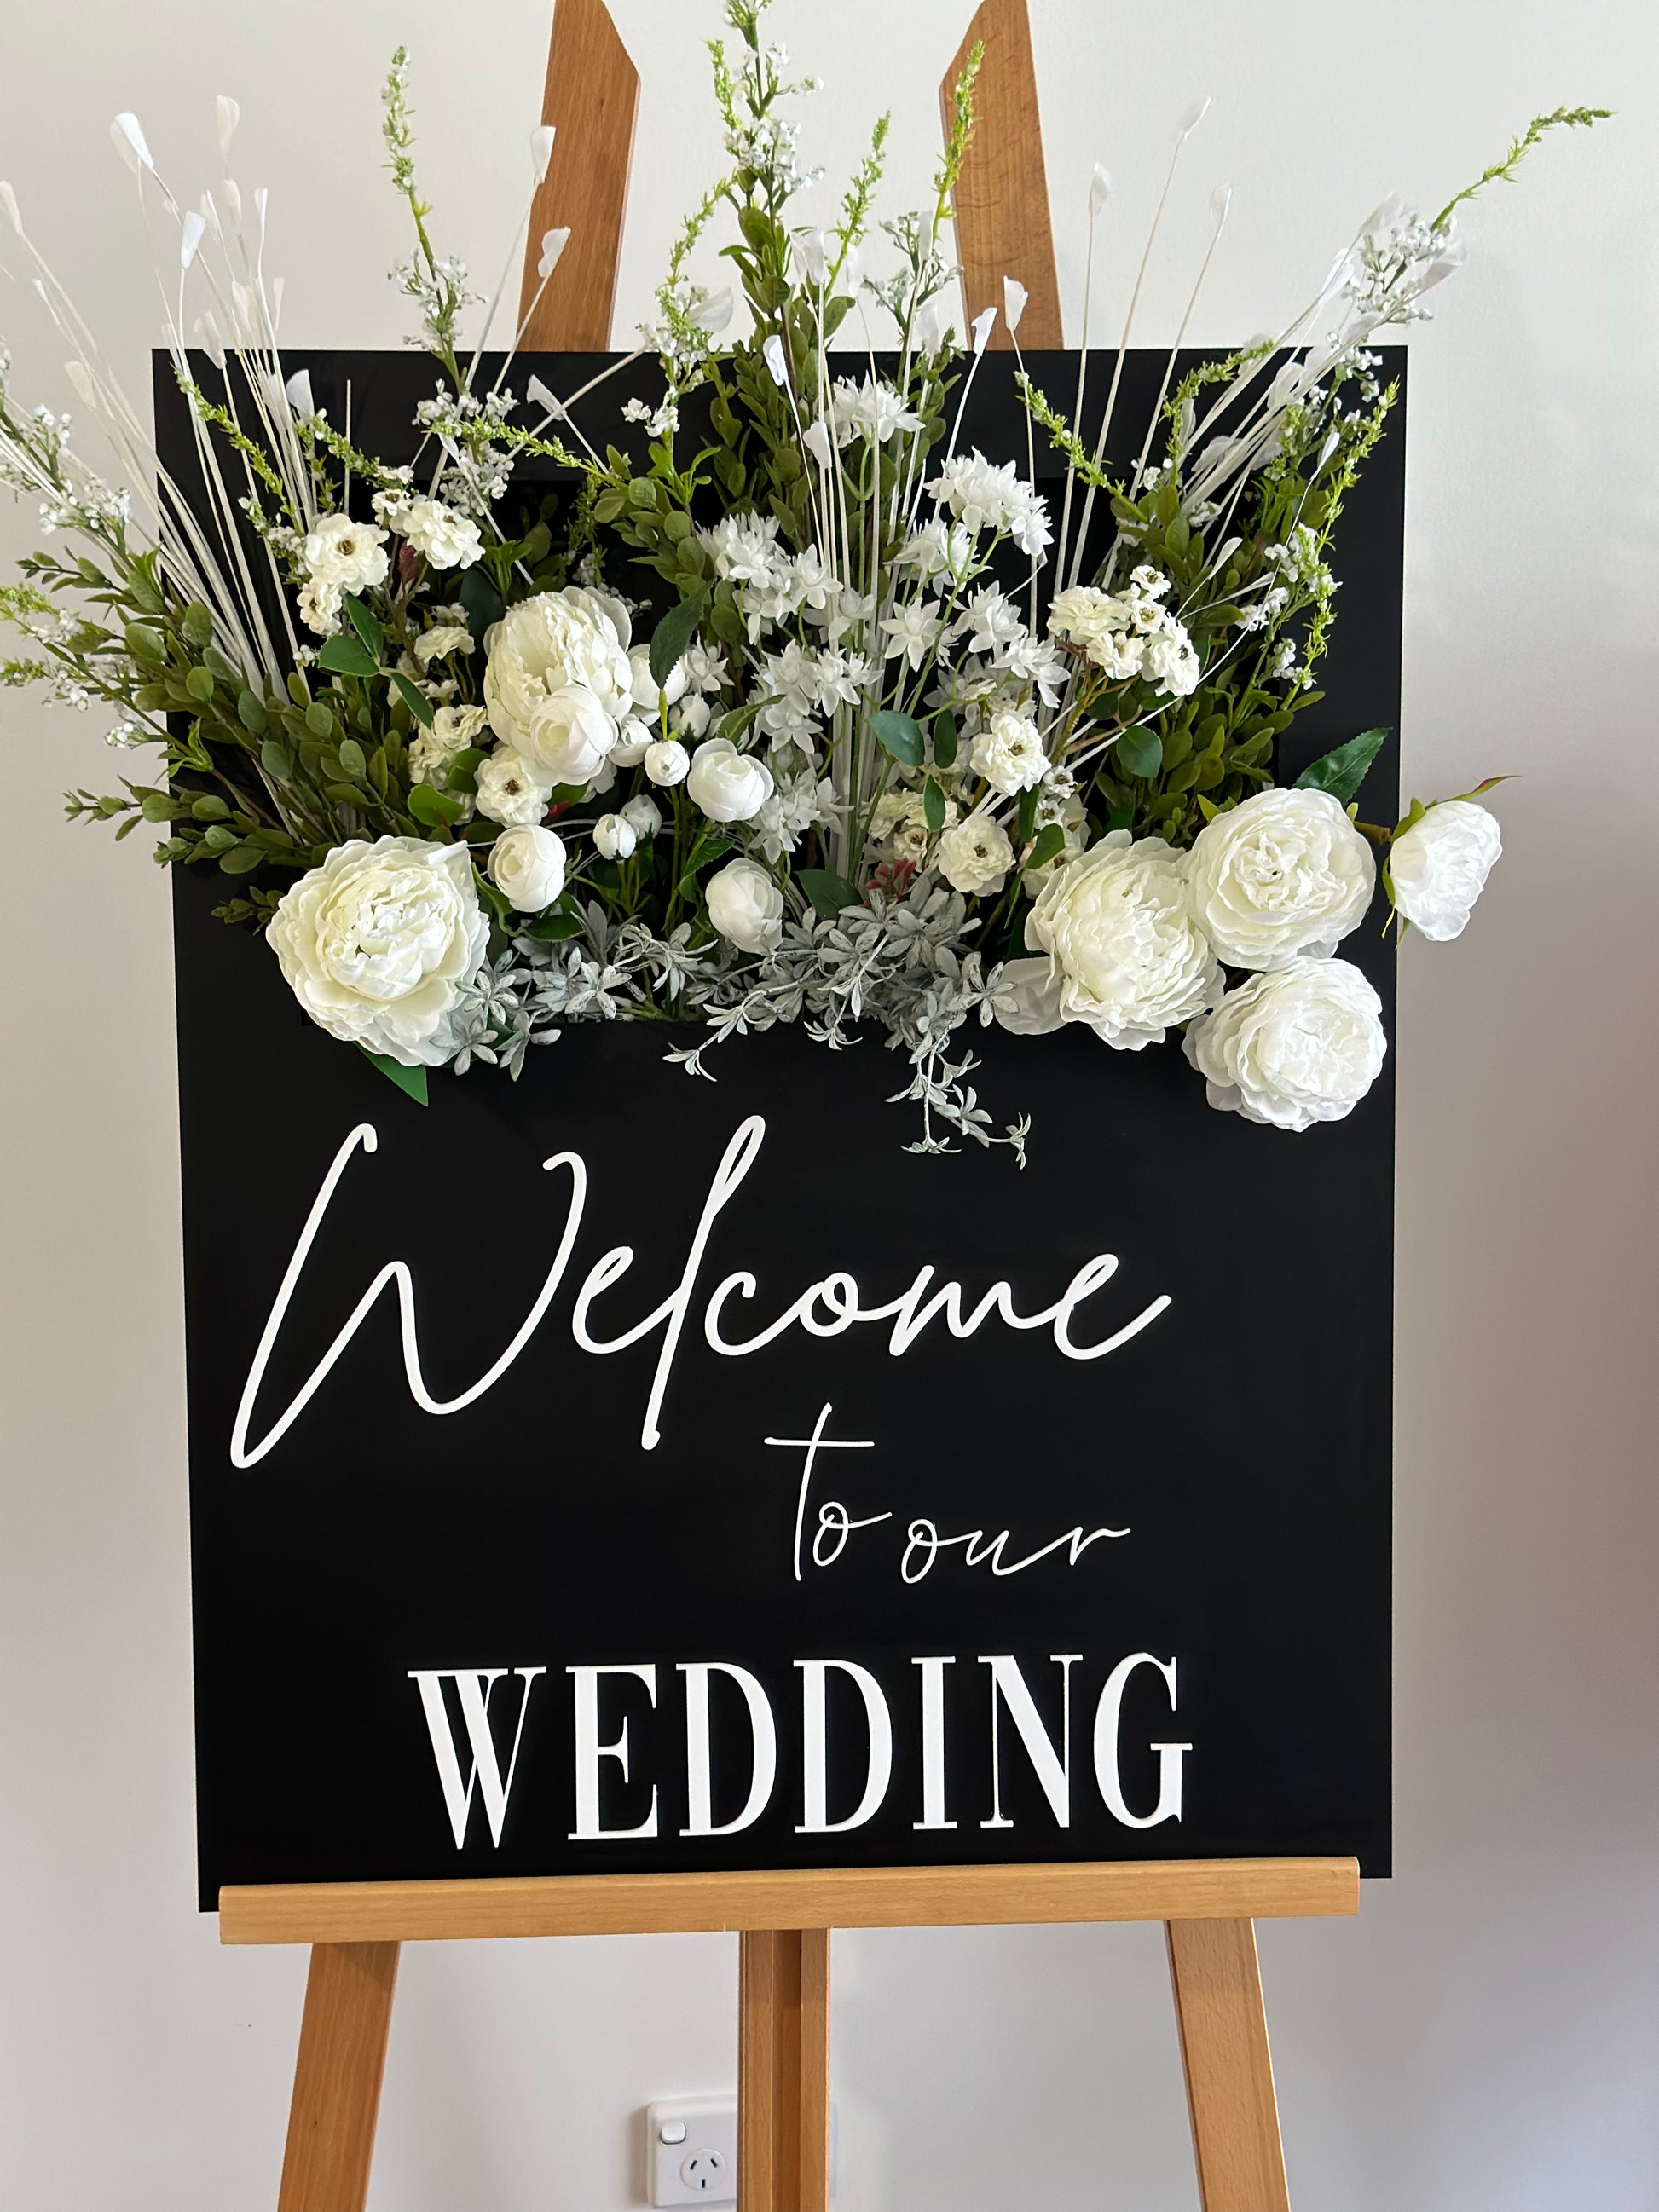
[{"x": 513, "y": 1551}]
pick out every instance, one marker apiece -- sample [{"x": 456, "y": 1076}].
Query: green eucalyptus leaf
[
  {"x": 932, "y": 806},
  {"x": 352, "y": 759},
  {"x": 1341, "y": 773},
  {"x": 944, "y": 738},
  {"x": 1140, "y": 752},
  {"x": 276, "y": 760},
  {"x": 899, "y": 736}
]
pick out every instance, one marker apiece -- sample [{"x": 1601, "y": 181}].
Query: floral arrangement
[{"x": 812, "y": 714}]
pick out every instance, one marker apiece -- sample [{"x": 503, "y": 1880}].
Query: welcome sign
[{"x": 618, "y": 1471}]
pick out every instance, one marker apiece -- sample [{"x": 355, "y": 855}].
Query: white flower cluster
[
  {"x": 340, "y": 555},
  {"x": 1131, "y": 638}
]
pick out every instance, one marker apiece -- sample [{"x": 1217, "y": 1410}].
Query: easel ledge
[{"x": 859, "y": 1897}]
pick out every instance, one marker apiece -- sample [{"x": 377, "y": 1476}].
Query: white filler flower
[
  {"x": 1301, "y": 1045},
  {"x": 746, "y": 907},
  {"x": 377, "y": 942},
  {"x": 1128, "y": 956},
  {"x": 729, "y": 785},
  {"x": 974, "y": 856},
  {"x": 1439, "y": 866},
  {"x": 527, "y": 864},
  {"x": 1286, "y": 872}
]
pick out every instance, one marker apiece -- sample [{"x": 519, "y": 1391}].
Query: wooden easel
[
  {"x": 1208, "y": 1906},
  {"x": 783, "y": 1920}
]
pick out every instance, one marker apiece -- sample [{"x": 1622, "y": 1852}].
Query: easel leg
[
  {"x": 1230, "y": 2075},
  {"x": 783, "y": 2071},
  {"x": 337, "y": 2081}
]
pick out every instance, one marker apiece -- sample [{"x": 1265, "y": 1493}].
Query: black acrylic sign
[{"x": 525, "y": 1562}]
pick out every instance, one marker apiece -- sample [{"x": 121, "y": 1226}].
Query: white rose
[
  {"x": 631, "y": 747},
  {"x": 614, "y": 837},
  {"x": 1119, "y": 929},
  {"x": 1300, "y": 1045},
  {"x": 1009, "y": 755},
  {"x": 377, "y": 942},
  {"x": 667, "y": 763},
  {"x": 974, "y": 856},
  {"x": 1286, "y": 872},
  {"x": 347, "y": 555},
  {"x": 569, "y": 734},
  {"x": 319, "y": 606},
  {"x": 729, "y": 785},
  {"x": 692, "y": 717},
  {"x": 1168, "y": 661},
  {"x": 643, "y": 816},
  {"x": 448, "y": 539},
  {"x": 1439, "y": 866},
  {"x": 511, "y": 791},
  {"x": 746, "y": 906},
  {"x": 548, "y": 643},
  {"x": 527, "y": 863},
  {"x": 645, "y": 690},
  {"x": 438, "y": 643}
]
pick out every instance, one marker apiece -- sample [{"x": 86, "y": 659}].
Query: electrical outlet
[{"x": 691, "y": 2150}]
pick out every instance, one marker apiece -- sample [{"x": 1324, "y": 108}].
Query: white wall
[{"x": 1486, "y": 2037}]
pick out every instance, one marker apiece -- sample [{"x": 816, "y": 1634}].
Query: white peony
[
  {"x": 377, "y": 942},
  {"x": 729, "y": 785},
  {"x": 1300, "y": 1045},
  {"x": 527, "y": 863},
  {"x": 746, "y": 906},
  {"x": 614, "y": 837},
  {"x": 510, "y": 790},
  {"x": 1009, "y": 755},
  {"x": 974, "y": 856},
  {"x": 667, "y": 763},
  {"x": 549, "y": 645},
  {"x": 448, "y": 538},
  {"x": 344, "y": 556},
  {"x": 1439, "y": 866},
  {"x": 569, "y": 734},
  {"x": 1283, "y": 873},
  {"x": 1128, "y": 958}
]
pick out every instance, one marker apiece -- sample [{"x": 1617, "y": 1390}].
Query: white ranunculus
[
  {"x": 377, "y": 942},
  {"x": 1009, "y": 755},
  {"x": 548, "y": 644},
  {"x": 637, "y": 740},
  {"x": 729, "y": 785},
  {"x": 746, "y": 906},
  {"x": 1301, "y": 1044},
  {"x": 614, "y": 837},
  {"x": 691, "y": 718},
  {"x": 344, "y": 555},
  {"x": 646, "y": 690},
  {"x": 569, "y": 734},
  {"x": 667, "y": 763},
  {"x": 974, "y": 856},
  {"x": 448, "y": 538},
  {"x": 1283, "y": 873},
  {"x": 1439, "y": 866},
  {"x": 527, "y": 863},
  {"x": 1119, "y": 929},
  {"x": 642, "y": 816},
  {"x": 511, "y": 790}
]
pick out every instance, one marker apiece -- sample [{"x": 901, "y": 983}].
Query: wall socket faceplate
[{"x": 691, "y": 2150}]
